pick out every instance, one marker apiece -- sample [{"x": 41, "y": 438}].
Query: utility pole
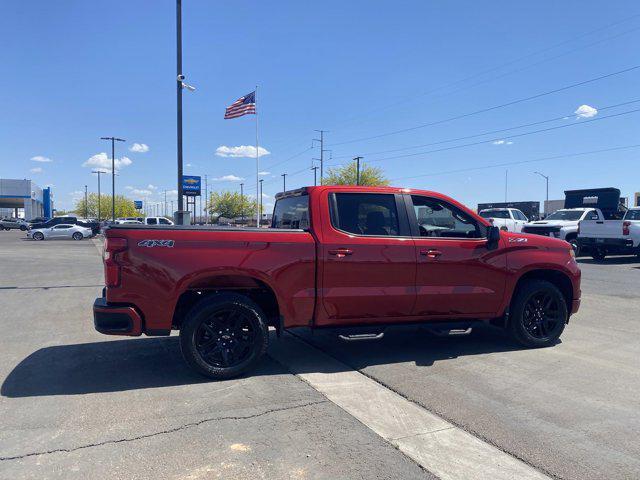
[
  {"x": 315, "y": 179},
  {"x": 206, "y": 202},
  {"x": 179, "y": 79},
  {"x": 242, "y": 201},
  {"x": 260, "y": 216},
  {"x": 506, "y": 184},
  {"x": 357, "y": 159},
  {"x": 284, "y": 183},
  {"x": 165, "y": 203},
  {"x": 86, "y": 205},
  {"x": 546, "y": 205},
  {"x": 113, "y": 141},
  {"x": 98, "y": 172},
  {"x": 322, "y": 150}
]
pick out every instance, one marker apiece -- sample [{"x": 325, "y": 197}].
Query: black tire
[
  {"x": 77, "y": 236},
  {"x": 538, "y": 314},
  {"x": 1, "y": 227},
  {"x": 38, "y": 236},
  {"x": 598, "y": 254},
  {"x": 224, "y": 335},
  {"x": 573, "y": 241},
  {"x": 23, "y": 228}
]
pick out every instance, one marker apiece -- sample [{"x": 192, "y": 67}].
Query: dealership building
[{"x": 24, "y": 199}]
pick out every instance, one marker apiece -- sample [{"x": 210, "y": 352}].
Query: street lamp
[
  {"x": 546, "y": 205},
  {"x": 98, "y": 172},
  {"x": 113, "y": 173}
]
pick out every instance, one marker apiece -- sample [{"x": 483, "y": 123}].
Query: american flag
[{"x": 243, "y": 106}]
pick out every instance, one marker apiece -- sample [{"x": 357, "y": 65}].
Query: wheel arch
[
  {"x": 556, "y": 277},
  {"x": 258, "y": 290}
]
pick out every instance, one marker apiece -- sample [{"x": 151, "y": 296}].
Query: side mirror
[{"x": 493, "y": 237}]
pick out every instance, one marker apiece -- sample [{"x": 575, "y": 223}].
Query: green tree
[
  {"x": 347, "y": 175},
  {"x": 230, "y": 205},
  {"x": 124, "y": 206}
]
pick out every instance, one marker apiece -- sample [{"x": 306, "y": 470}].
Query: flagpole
[{"x": 258, "y": 212}]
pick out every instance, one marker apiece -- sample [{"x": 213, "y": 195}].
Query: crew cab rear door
[
  {"x": 366, "y": 258},
  {"x": 457, "y": 276}
]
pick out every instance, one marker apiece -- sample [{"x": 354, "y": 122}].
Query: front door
[
  {"x": 367, "y": 260},
  {"x": 457, "y": 276}
]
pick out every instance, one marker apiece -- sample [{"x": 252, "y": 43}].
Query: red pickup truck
[{"x": 339, "y": 257}]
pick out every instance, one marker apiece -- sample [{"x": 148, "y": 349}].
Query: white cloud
[
  {"x": 41, "y": 159},
  {"x": 228, "y": 178},
  {"x": 264, "y": 174},
  {"x": 264, "y": 195},
  {"x": 188, "y": 165},
  {"x": 139, "y": 148},
  {"x": 502, "y": 142},
  {"x": 585, "y": 111},
  {"x": 140, "y": 192},
  {"x": 101, "y": 160},
  {"x": 152, "y": 187},
  {"x": 242, "y": 151},
  {"x": 36, "y": 170}
]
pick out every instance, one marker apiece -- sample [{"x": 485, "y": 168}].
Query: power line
[
  {"x": 491, "y": 132},
  {"x": 507, "y": 137},
  {"x": 488, "y": 109},
  {"x": 506, "y": 64},
  {"x": 519, "y": 162}
]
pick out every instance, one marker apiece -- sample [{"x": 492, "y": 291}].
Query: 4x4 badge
[{"x": 156, "y": 243}]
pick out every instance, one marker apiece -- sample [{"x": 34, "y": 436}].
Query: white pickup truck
[
  {"x": 563, "y": 224},
  {"x": 611, "y": 237},
  {"x": 508, "y": 219}
]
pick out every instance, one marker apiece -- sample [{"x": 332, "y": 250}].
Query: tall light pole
[
  {"x": 98, "y": 172},
  {"x": 284, "y": 183},
  {"x": 179, "y": 78},
  {"x": 546, "y": 205},
  {"x": 113, "y": 173},
  {"x": 357, "y": 159},
  {"x": 260, "y": 216},
  {"x": 322, "y": 150},
  {"x": 315, "y": 177},
  {"x": 86, "y": 205}
]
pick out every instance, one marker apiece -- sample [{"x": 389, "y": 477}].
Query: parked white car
[
  {"x": 563, "y": 224},
  {"x": 157, "y": 221},
  {"x": 60, "y": 231},
  {"x": 508, "y": 219},
  {"x": 611, "y": 237}
]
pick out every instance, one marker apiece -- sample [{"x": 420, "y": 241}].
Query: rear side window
[
  {"x": 494, "y": 214},
  {"x": 291, "y": 212},
  {"x": 365, "y": 214},
  {"x": 632, "y": 215},
  {"x": 152, "y": 221}
]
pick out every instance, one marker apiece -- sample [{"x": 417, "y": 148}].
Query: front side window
[
  {"x": 152, "y": 221},
  {"x": 291, "y": 212},
  {"x": 164, "y": 221},
  {"x": 519, "y": 215},
  {"x": 632, "y": 215},
  {"x": 494, "y": 214},
  {"x": 437, "y": 218},
  {"x": 365, "y": 214}
]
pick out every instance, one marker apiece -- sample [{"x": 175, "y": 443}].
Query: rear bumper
[
  {"x": 116, "y": 319},
  {"x": 611, "y": 245}
]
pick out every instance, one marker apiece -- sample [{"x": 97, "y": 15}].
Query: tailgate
[{"x": 600, "y": 229}]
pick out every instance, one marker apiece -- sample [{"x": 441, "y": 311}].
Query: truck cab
[
  {"x": 507, "y": 219},
  {"x": 563, "y": 224}
]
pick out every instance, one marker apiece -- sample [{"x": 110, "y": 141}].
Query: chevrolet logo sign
[{"x": 191, "y": 181}]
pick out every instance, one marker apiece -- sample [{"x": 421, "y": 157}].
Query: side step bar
[{"x": 358, "y": 337}]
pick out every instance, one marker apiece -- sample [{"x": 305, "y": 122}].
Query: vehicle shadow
[
  {"x": 110, "y": 366},
  {"x": 130, "y": 364}
]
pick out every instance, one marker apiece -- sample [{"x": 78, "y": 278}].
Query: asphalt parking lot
[{"x": 77, "y": 404}]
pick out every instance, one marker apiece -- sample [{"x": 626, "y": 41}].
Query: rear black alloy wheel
[
  {"x": 599, "y": 254},
  {"x": 224, "y": 335},
  {"x": 538, "y": 314}
]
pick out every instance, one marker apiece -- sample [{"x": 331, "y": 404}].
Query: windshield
[
  {"x": 568, "y": 215},
  {"x": 494, "y": 214}
]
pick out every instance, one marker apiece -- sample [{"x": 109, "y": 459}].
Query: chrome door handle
[
  {"x": 431, "y": 253},
  {"x": 341, "y": 252}
]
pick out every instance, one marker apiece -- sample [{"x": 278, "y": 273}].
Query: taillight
[
  {"x": 578, "y": 228},
  {"x": 625, "y": 227},
  {"x": 112, "y": 247}
]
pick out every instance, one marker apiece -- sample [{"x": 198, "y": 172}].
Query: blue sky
[{"x": 74, "y": 71}]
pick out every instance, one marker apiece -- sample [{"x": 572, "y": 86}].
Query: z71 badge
[
  {"x": 156, "y": 243},
  {"x": 517, "y": 240}
]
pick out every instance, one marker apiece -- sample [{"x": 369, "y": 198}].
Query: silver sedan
[{"x": 63, "y": 230}]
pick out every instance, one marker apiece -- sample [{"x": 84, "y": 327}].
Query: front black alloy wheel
[
  {"x": 538, "y": 314},
  {"x": 224, "y": 335}
]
